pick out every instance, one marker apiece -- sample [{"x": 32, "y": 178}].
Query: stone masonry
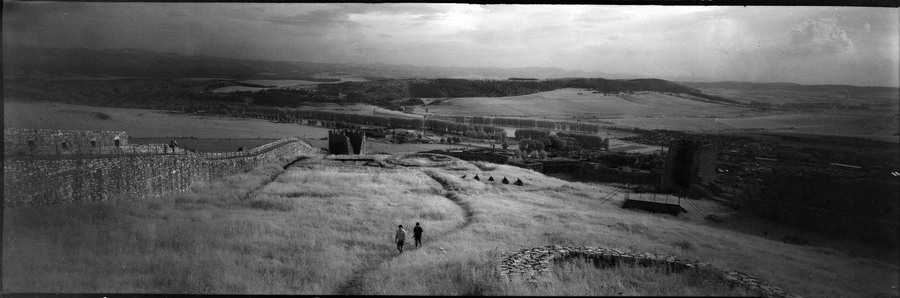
[
  {"x": 533, "y": 263},
  {"x": 36, "y": 181}
]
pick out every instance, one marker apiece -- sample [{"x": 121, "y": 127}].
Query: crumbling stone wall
[
  {"x": 30, "y": 181},
  {"x": 357, "y": 140},
  {"x": 50, "y": 141},
  {"x": 346, "y": 142},
  {"x": 689, "y": 162},
  {"x": 860, "y": 208},
  {"x": 599, "y": 173},
  {"x": 338, "y": 143},
  {"x": 534, "y": 263}
]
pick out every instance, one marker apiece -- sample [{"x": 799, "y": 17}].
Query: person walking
[
  {"x": 417, "y": 235},
  {"x": 400, "y": 237}
]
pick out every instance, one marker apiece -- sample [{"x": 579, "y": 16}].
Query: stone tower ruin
[
  {"x": 688, "y": 162},
  {"x": 346, "y": 142}
]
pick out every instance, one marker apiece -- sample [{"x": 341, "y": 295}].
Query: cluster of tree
[
  {"x": 407, "y": 123},
  {"x": 497, "y": 88},
  {"x": 514, "y": 122},
  {"x": 270, "y": 97},
  {"x": 531, "y": 134},
  {"x": 469, "y": 130},
  {"x": 588, "y": 141},
  {"x": 380, "y": 92},
  {"x": 451, "y": 140},
  {"x": 525, "y": 154},
  {"x": 578, "y": 126},
  {"x": 526, "y": 122}
]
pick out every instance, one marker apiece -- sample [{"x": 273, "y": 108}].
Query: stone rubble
[{"x": 532, "y": 263}]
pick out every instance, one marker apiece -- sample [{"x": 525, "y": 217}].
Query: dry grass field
[
  {"x": 568, "y": 103},
  {"x": 140, "y": 123},
  {"x": 648, "y": 110},
  {"x": 323, "y": 227}
]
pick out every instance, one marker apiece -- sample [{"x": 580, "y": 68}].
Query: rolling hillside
[{"x": 325, "y": 227}]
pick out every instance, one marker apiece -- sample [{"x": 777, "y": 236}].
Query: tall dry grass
[{"x": 326, "y": 227}]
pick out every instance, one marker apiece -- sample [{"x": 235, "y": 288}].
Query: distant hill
[
  {"x": 788, "y": 86},
  {"x": 37, "y": 62}
]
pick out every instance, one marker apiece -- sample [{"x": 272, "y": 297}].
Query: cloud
[
  {"x": 316, "y": 18},
  {"x": 617, "y": 36},
  {"x": 822, "y": 35}
]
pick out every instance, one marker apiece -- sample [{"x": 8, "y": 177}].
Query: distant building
[{"x": 689, "y": 162}]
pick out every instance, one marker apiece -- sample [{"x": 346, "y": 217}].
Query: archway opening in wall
[
  {"x": 93, "y": 143},
  {"x": 580, "y": 276},
  {"x": 117, "y": 142},
  {"x": 65, "y": 145}
]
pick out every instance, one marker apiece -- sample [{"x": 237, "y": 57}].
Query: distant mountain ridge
[
  {"x": 37, "y": 61},
  {"x": 786, "y": 86}
]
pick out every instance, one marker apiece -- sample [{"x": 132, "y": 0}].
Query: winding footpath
[{"x": 352, "y": 286}]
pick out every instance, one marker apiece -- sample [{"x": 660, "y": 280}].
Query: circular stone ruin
[
  {"x": 422, "y": 160},
  {"x": 532, "y": 263}
]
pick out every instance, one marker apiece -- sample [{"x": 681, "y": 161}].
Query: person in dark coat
[
  {"x": 505, "y": 181},
  {"x": 417, "y": 235},
  {"x": 476, "y": 177}
]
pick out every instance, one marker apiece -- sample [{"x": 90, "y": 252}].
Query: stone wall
[
  {"x": 357, "y": 141},
  {"x": 474, "y": 156},
  {"x": 31, "y": 181},
  {"x": 599, "y": 173},
  {"x": 534, "y": 263},
  {"x": 689, "y": 162},
  {"x": 50, "y": 141},
  {"x": 859, "y": 208},
  {"x": 339, "y": 143}
]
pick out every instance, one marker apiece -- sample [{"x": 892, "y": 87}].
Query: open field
[
  {"x": 324, "y": 227},
  {"x": 289, "y": 84},
  {"x": 878, "y": 125},
  {"x": 661, "y": 111},
  {"x": 142, "y": 123},
  {"x": 567, "y": 103},
  {"x": 794, "y": 96}
]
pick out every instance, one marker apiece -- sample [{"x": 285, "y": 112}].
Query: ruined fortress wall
[
  {"x": 33, "y": 181},
  {"x": 863, "y": 209},
  {"x": 49, "y": 141},
  {"x": 704, "y": 164},
  {"x": 338, "y": 143},
  {"x": 601, "y": 173},
  {"x": 357, "y": 140},
  {"x": 51, "y": 181},
  {"x": 689, "y": 162}
]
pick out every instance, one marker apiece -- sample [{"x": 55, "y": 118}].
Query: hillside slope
[{"x": 323, "y": 227}]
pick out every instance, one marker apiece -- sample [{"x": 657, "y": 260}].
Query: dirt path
[{"x": 353, "y": 285}]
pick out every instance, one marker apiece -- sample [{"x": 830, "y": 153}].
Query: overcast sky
[{"x": 807, "y": 45}]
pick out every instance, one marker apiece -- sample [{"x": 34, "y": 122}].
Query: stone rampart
[
  {"x": 533, "y": 263},
  {"x": 588, "y": 171},
  {"x": 32, "y": 181},
  {"x": 53, "y": 141},
  {"x": 339, "y": 143}
]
